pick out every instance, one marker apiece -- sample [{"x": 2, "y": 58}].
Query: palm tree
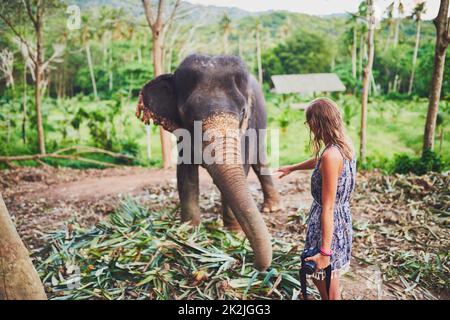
[
  {"x": 87, "y": 35},
  {"x": 417, "y": 13},
  {"x": 394, "y": 22},
  {"x": 258, "y": 51},
  {"x": 400, "y": 12},
  {"x": 285, "y": 29},
  {"x": 362, "y": 15},
  {"x": 390, "y": 23},
  {"x": 367, "y": 76},
  {"x": 37, "y": 13},
  {"x": 225, "y": 26},
  {"x": 159, "y": 26},
  {"x": 353, "y": 35}
]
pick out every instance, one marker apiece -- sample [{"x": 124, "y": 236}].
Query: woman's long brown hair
[{"x": 325, "y": 123}]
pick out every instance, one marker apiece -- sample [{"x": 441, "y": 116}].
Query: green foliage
[
  {"x": 306, "y": 52},
  {"x": 344, "y": 72},
  {"x": 291, "y": 43},
  {"x": 429, "y": 161},
  {"x": 129, "y": 147},
  {"x": 394, "y": 62},
  {"x": 284, "y": 118},
  {"x": 422, "y": 80},
  {"x": 350, "y": 106}
]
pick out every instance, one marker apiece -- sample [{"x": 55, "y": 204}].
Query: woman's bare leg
[
  {"x": 321, "y": 286},
  {"x": 335, "y": 292}
]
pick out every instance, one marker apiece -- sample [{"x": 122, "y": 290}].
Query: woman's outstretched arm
[{"x": 305, "y": 165}]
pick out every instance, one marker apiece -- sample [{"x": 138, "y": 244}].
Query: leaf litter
[
  {"x": 400, "y": 226},
  {"x": 138, "y": 254}
]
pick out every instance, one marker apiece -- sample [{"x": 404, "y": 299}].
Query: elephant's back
[{"x": 224, "y": 64}]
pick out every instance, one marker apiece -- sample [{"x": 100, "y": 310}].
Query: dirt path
[
  {"x": 95, "y": 188},
  {"x": 128, "y": 182},
  {"x": 44, "y": 199}
]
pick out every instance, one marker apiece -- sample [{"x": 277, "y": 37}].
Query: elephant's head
[{"x": 216, "y": 91}]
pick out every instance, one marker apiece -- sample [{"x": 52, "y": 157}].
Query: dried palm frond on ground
[
  {"x": 403, "y": 228},
  {"x": 138, "y": 254}
]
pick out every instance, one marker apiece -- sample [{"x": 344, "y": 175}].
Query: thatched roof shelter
[{"x": 307, "y": 83}]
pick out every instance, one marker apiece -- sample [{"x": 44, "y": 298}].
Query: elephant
[{"x": 219, "y": 92}]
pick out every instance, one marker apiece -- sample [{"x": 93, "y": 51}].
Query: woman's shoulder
[
  {"x": 332, "y": 152},
  {"x": 332, "y": 155}
]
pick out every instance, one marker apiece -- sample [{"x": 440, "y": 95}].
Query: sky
[{"x": 315, "y": 7}]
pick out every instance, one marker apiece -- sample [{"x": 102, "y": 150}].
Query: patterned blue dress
[{"x": 341, "y": 244}]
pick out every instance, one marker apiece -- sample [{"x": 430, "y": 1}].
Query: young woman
[{"x": 332, "y": 183}]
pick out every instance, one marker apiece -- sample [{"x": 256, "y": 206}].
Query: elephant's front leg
[
  {"x": 271, "y": 195},
  {"x": 188, "y": 191}
]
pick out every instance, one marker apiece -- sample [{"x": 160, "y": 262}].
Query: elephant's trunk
[{"x": 230, "y": 179}]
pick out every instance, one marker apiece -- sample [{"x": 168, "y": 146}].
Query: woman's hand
[
  {"x": 284, "y": 171},
  {"x": 321, "y": 261}
]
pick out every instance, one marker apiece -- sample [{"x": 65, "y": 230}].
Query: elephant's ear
[{"x": 157, "y": 102}]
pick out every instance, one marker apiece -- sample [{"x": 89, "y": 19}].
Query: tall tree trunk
[
  {"x": 373, "y": 85},
  {"x": 388, "y": 37},
  {"x": 441, "y": 23},
  {"x": 18, "y": 277},
  {"x": 148, "y": 132},
  {"x": 395, "y": 87},
  {"x": 139, "y": 54},
  {"x": 240, "y": 47},
  {"x": 8, "y": 126},
  {"x": 361, "y": 55},
  {"x": 105, "y": 52},
  {"x": 169, "y": 60},
  {"x": 157, "y": 25},
  {"x": 110, "y": 73},
  {"x": 164, "y": 135},
  {"x": 38, "y": 83},
  {"x": 354, "y": 52},
  {"x": 397, "y": 31},
  {"x": 225, "y": 41},
  {"x": 414, "y": 61},
  {"x": 258, "y": 57},
  {"x": 63, "y": 83},
  {"x": 9, "y": 116},
  {"x": 24, "y": 106},
  {"x": 91, "y": 69},
  {"x": 366, "y": 79}
]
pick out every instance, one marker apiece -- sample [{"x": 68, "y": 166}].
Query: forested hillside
[{"x": 108, "y": 58}]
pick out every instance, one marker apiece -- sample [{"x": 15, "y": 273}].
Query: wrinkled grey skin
[{"x": 205, "y": 87}]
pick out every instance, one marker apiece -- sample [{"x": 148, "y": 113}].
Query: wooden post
[{"x": 18, "y": 277}]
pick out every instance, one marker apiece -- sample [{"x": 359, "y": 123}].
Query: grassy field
[{"x": 394, "y": 127}]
